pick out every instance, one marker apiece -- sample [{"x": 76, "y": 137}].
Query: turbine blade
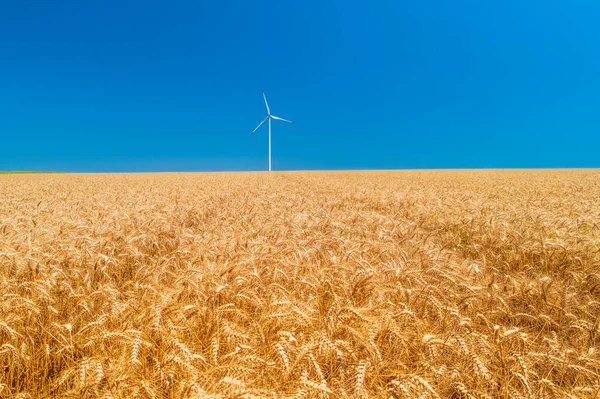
[
  {"x": 266, "y": 103},
  {"x": 281, "y": 119},
  {"x": 260, "y": 124}
]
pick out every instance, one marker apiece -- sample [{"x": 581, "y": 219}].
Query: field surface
[{"x": 408, "y": 284}]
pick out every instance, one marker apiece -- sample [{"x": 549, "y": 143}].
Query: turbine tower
[{"x": 269, "y": 117}]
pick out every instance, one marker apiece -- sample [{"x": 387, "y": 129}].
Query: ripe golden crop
[{"x": 403, "y": 284}]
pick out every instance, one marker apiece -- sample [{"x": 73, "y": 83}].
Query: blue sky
[{"x": 135, "y": 85}]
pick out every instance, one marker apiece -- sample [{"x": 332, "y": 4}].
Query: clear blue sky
[{"x": 131, "y": 85}]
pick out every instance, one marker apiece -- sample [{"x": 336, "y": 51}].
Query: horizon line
[{"x": 305, "y": 170}]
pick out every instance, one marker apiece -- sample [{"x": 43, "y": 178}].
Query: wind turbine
[{"x": 269, "y": 117}]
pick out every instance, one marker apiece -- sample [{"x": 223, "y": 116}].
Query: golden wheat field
[{"x": 399, "y": 284}]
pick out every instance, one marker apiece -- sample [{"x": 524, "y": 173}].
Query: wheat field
[{"x": 393, "y": 284}]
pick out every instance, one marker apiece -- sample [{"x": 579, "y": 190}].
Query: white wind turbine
[{"x": 269, "y": 117}]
